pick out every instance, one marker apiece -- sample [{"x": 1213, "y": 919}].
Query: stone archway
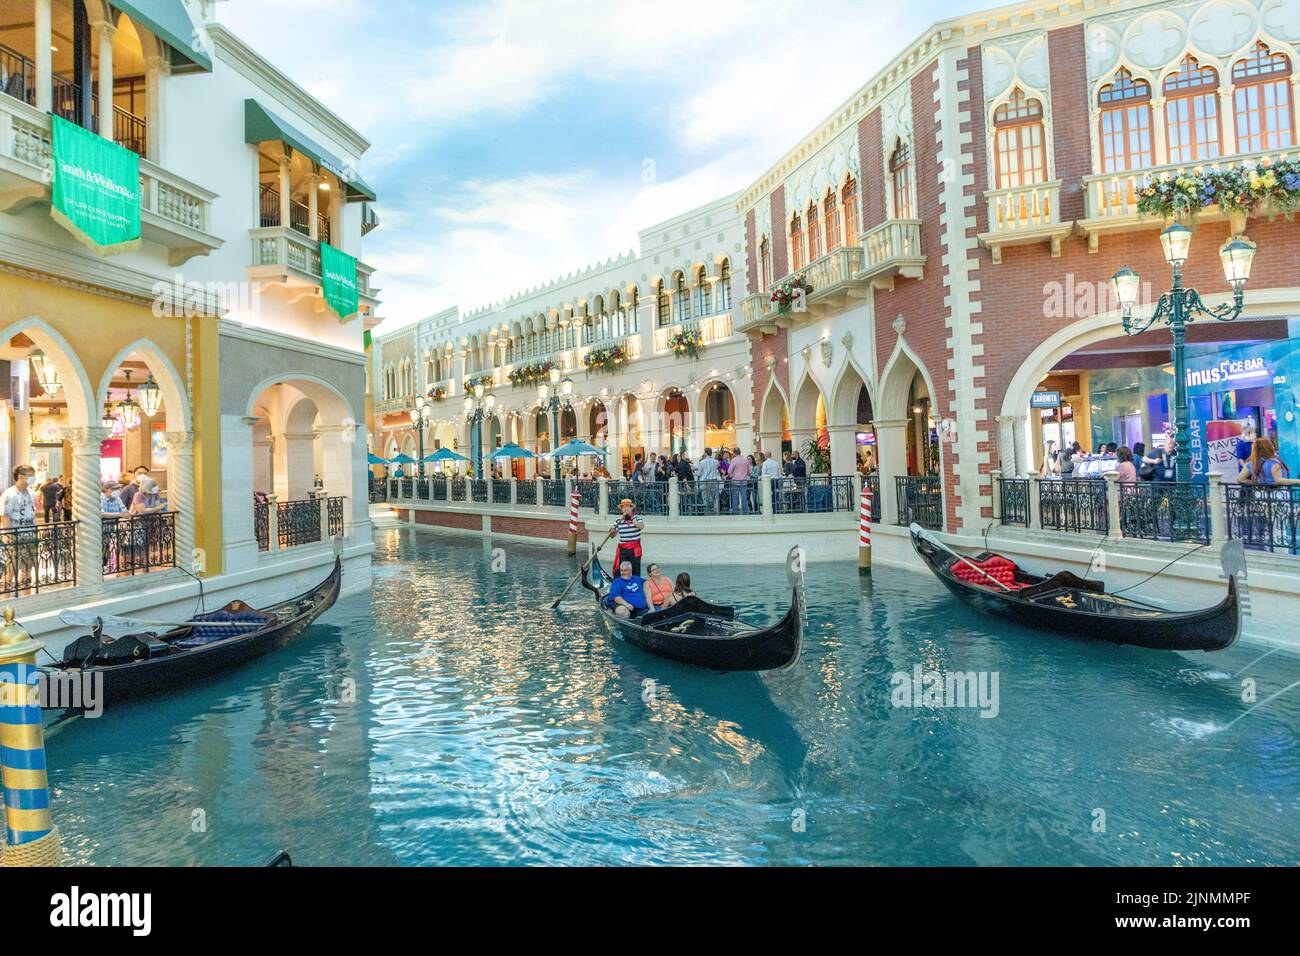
[
  {"x": 851, "y": 411},
  {"x": 895, "y": 417}
]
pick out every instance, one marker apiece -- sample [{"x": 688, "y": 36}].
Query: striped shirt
[{"x": 628, "y": 532}]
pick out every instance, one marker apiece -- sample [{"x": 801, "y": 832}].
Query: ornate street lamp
[
  {"x": 150, "y": 397},
  {"x": 1178, "y": 308},
  {"x": 478, "y": 408},
  {"x": 128, "y": 408},
  {"x": 421, "y": 414},
  {"x": 553, "y": 397},
  {"x": 47, "y": 373}
]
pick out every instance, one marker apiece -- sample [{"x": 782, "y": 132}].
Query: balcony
[
  {"x": 390, "y": 406},
  {"x": 836, "y": 280},
  {"x": 285, "y": 257},
  {"x": 1110, "y": 199},
  {"x": 712, "y": 328},
  {"x": 892, "y": 250},
  {"x": 175, "y": 213},
  {"x": 1022, "y": 215}
]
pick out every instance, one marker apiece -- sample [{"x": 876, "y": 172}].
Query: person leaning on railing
[
  {"x": 18, "y": 513},
  {"x": 146, "y": 502}
]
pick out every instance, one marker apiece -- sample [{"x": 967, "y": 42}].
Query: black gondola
[
  {"x": 137, "y": 665},
  {"x": 1068, "y": 604},
  {"x": 696, "y": 632}
]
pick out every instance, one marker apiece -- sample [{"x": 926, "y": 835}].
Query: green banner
[
  {"x": 96, "y": 189},
  {"x": 338, "y": 272},
  {"x": 366, "y": 340}
]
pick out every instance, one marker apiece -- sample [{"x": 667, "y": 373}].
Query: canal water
[{"x": 452, "y": 718}]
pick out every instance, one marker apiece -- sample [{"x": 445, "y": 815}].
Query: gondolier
[{"x": 628, "y": 528}]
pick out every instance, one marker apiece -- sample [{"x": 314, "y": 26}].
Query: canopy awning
[
  {"x": 263, "y": 126},
  {"x": 170, "y": 22}
]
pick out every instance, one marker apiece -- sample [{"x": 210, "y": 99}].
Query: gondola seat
[
  {"x": 997, "y": 567},
  {"x": 236, "y": 612}
]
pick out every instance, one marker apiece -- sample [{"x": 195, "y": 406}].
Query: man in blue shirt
[{"x": 627, "y": 593}]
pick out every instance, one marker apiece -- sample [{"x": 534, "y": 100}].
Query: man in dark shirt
[{"x": 51, "y": 493}]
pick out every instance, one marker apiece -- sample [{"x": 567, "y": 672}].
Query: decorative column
[
  {"x": 313, "y": 208},
  {"x": 85, "y": 444},
  {"x": 891, "y": 458},
  {"x": 1024, "y": 462},
  {"x": 1228, "y": 113},
  {"x": 1159, "y": 144},
  {"x": 1007, "y": 446},
  {"x": 104, "y": 31},
  {"x": 157, "y": 69},
  {"x": 844, "y": 449},
  {"x": 286, "y": 168},
  {"x": 1112, "y": 506},
  {"x": 180, "y": 497},
  {"x": 1218, "y": 510},
  {"x": 44, "y": 57}
]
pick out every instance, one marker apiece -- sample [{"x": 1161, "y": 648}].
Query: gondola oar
[
  {"x": 87, "y": 619},
  {"x": 585, "y": 568},
  {"x": 918, "y": 530}
]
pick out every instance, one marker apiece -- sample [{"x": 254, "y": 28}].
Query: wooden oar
[
  {"x": 87, "y": 619},
  {"x": 917, "y": 529},
  {"x": 585, "y": 568}
]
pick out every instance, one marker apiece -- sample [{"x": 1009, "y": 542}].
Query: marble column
[
  {"x": 104, "y": 32},
  {"x": 44, "y": 57},
  {"x": 181, "y": 498},
  {"x": 891, "y": 458},
  {"x": 85, "y": 444}
]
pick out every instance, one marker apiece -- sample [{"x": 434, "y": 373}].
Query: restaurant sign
[
  {"x": 1045, "y": 400},
  {"x": 96, "y": 190}
]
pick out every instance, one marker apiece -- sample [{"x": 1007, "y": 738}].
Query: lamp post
[
  {"x": 478, "y": 407},
  {"x": 420, "y": 416},
  {"x": 1177, "y": 308},
  {"x": 555, "y": 396}
]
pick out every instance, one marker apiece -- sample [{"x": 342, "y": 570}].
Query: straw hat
[{"x": 627, "y": 503}]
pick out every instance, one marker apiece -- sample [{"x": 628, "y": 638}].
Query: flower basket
[
  {"x": 1239, "y": 191},
  {"x": 687, "y": 344},
  {"x": 607, "y": 359},
  {"x": 790, "y": 293},
  {"x": 531, "y": 374}
]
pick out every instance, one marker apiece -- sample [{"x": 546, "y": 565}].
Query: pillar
[
  {"x": 1007, "y": 446},
  {"x": 181, "y": 498},
  {"x": 286, "y": 167},
  {"x": 104, "y": 33},
  {"x": 1218, "y": 510},
  {"x": 157, "y": 69},
  {"x": 891, "y": 457},
  {"x": 1112, "y": 505},
  {"x": 44, "y": 57},
  {"x": 296, "y": 471},
  {"x": 85, "y": 444},
  {"x": 313, "y": 210},
  {"x": 844, "y": 449}
]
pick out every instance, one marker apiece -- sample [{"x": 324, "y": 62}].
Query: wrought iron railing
[
  {"x": 262, "y": 525},
  {"x": 299, "y": 522},
  {"x": 1077, "y": 505},
  {"x": 649, "y": 497},
  {"x": 378, "y": 492},
  {"x": 553, "y": 493},
  {"x": 1265, "y": 518},
  {"x": 920, "y": 500},
  {"x": 478, "y": 490},
  {"x": 38, "y": 558},
  {"x": 438, "y": 488},
  {"x": 1013, "y": 498},
  {"x": 422, "y": 489},
  {"x": 334, "y": 508},
  {"x": 588, "y": 493},
  {"x": 137, "y": 544},
  {"x": 872, "y": 482},
  {"x": 500, "y": 492},
  {"x": 458, "y": 489},
  {"x": 526, "y": 492},
  {"x": 1165, "y": 511},
  {"x": 697, "y": 498}
]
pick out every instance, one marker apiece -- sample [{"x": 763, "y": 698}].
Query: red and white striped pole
[
  {"x": 864, "y": 532},
  {"x": 572, "y": 547}
]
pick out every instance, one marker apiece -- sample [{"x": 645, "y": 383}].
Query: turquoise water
[{"x": 485, "y": 730}]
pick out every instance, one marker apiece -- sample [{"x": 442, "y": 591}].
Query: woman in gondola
[
  {"x": 659, "y": 589},
  {"x": 683, "y": 588}
]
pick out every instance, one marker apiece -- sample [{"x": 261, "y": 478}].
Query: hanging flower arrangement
[
  {"x": 689, "y": 343},
  {"x": 531, "y": 374},
  {"x": 485, "y": 380},
  {"x": 437, "y": 393},
  {"x": 606, "y": 359},
  {"x": 789, "y": 292},
  {"x": 1249, "y": 188}
]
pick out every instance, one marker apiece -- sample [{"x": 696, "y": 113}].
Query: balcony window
[
  {"x": 1192, "y": 112},
  {"x": 796, "y": 243},
  {"x": 849, "y": 201},
  {"x": 1125, "y": 123},
  {"x": 1262, "y": 101},
  {"x": 724, "y": 287},
  {"x": 683, "y": 297},
  {"x": 633, "y": 317},
  {"x": 900, "y": 175},
  {"x": 704, "y": 294},
  {"x": 663, "y": 307},
  {"x": 1019, "y": 148},
  {"x": 831, "y": 217},
  {"x": 814, "y": 235}
]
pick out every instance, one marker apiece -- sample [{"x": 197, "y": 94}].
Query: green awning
[
  {"x": 263, "y": 126},
  {"x": 170, "y": 22}
]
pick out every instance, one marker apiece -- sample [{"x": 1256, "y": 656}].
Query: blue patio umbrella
[
  {"x": 444, "y": 454},
  {"x": 511, "y": 450},
  {"x": 575, "y": 449},
  {"x": 373, "y": 459},
  {"x": 403, "y": 460}
]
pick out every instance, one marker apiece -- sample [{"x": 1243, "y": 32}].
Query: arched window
[
  {"x": 831, "y": 217},
  {"x": 849, "y": 202},
  {"x": 900, "y": 175},
  {"x": 1019, "y": 149},
  {"x": 814, "y": 233},
  {"x": 724, "y": 286},
  {"x": 683, "y": 296},
  {"x": 663, "y": 306},
  {"x": 616, "y": 314},
  {"x": 765, "y": 264},
  {"x": 796, "y": 243},
  {"x": 1125, "y": 123},
  {"x": 703, "y": 294},
  {"x": 1262, "y": 101},
  {"x": 1192, "y": 112},
  {"x": 602, "y": 318}
]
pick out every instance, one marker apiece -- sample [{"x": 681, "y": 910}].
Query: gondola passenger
[
  {"x": 627, "y": 595},
  {"x": 628, "y": 528},
  {"x": 659, "y": 588}
]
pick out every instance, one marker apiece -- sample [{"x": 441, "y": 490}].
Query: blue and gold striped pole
[{"x": 30, "y": 834}]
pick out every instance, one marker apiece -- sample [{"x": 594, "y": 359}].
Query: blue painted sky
[{"x": 511, "y": 139}]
